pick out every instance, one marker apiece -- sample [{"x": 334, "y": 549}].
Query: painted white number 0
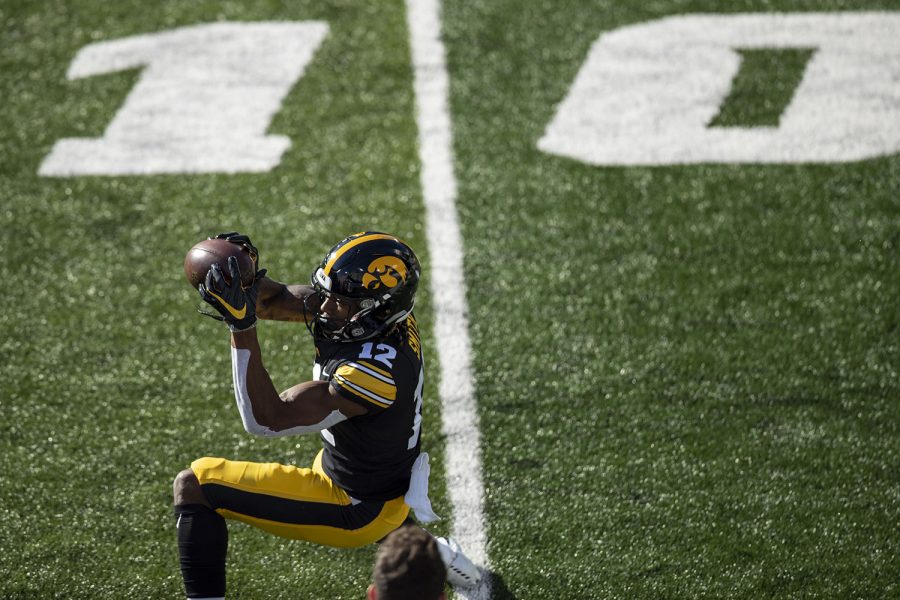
[
  {"x": 647, "y": 92},
  {"x": 205, "y": 97}
]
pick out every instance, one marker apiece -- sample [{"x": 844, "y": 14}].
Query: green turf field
[{"x": 687, "y": 375}]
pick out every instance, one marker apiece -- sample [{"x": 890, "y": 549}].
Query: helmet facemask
[{"x": 366, "y": 317}]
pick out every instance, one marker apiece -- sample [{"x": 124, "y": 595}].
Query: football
[{"x": 205, "y": 254}]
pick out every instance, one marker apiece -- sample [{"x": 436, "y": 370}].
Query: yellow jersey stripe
[
  {"x": 369, "y": 365},
  {"x": 365, "y": 395},
  {"x": 376, "y": 373},
  {"x": 353, "y": 243},
  {"x": 380, "y": 386}
]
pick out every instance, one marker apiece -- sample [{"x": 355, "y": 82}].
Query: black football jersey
[{"x": 370, "y": 456}]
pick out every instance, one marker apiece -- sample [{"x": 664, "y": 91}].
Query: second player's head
[{"x": 408, "y": 567}]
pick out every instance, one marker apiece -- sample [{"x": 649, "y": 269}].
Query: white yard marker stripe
[{"x": 460, "y": 419}]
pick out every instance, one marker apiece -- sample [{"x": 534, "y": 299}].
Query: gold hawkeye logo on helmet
[{"x": 387, "y": 271}]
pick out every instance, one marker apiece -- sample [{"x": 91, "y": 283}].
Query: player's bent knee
[{"x": 186, "y": 489}]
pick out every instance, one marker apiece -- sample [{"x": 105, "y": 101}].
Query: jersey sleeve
[{"x": 366, "y": 384}]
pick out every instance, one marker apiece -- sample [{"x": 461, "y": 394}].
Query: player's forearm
[
  {"x": 258, "y": 400},
  {"x": 280, "y": 302},
  {"x": 263, "y": 411}
]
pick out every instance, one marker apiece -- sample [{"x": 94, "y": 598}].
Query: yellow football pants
[{"x": 292, "y": 502}]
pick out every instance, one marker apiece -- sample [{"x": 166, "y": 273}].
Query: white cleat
[{"x": 460, "y": 570}]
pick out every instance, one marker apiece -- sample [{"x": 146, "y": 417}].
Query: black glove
[
  {"x": 241, "y": 240},
  {"x": 236, "y": 304}
]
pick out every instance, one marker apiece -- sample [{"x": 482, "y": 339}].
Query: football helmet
[{"x": 373, "y": 276}]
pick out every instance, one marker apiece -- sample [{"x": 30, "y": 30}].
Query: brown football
[{"x": 209, "y": 252}]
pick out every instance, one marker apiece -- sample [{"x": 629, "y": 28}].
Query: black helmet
[{"x": 377, "y": 274}]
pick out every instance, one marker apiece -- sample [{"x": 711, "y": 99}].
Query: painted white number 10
[
  {"x": 647, "y": 92},
  {"x": 203, "y": 102}
]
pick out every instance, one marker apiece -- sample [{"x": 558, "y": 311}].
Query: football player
[{"x": 364, "y": 400}]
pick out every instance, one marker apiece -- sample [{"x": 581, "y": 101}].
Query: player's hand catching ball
[
  {"x": 236, "y": 304},
  {"x": 241, "y": 240}
]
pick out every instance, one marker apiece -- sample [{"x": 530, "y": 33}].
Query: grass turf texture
[
  {"x": 112, "y": 382},
  {"x": 687, "y": 376}
]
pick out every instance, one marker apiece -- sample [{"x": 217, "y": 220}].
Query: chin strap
[{"x": 240, "y": 358}]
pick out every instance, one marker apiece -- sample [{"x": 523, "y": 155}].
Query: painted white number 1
[{"x": 206, "y": 95}]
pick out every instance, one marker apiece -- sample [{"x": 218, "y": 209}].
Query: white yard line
[{"x": 457, "y": 392}]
